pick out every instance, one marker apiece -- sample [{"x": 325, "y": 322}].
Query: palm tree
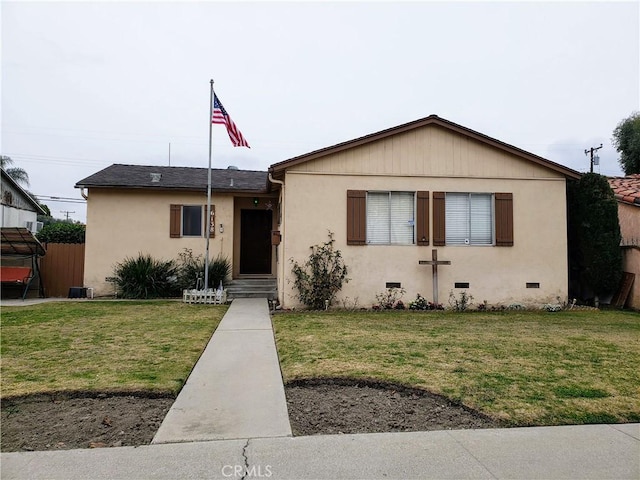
[{"x": 20, "y": 175}]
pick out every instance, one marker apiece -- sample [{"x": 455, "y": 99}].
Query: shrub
[
  {"x": 190, "y": 268},
  {"x": 421, "y": 303},
  {"x": 390, "y": 298},
  {"x": 320, "y": 278},
  {"x": 62, "y": 232},
  {"x": 146, "y": 277},
  {"x": 461, "y": 303}
]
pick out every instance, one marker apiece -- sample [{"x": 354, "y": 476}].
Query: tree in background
[
  {"x": 626, "y": 139},
  {"x": 594, "y": 237},
  {"x": 20, "y": 175}
]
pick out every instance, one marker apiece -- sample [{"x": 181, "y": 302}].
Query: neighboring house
[
  {"x": 496, "y": 212},
  {"x": 627, "y": 193},
  {"x": 161, "y": 211},
  {"x": 18, "y": 208}
]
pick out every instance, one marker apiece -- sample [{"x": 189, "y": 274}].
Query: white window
[
  {"x": 469, "y": 218},
  {"x": 390, "y": 218},
  {"x": 192, "y": 220}
]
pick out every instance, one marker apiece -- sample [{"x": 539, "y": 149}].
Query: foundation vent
[
  {"x": 461, "y": 285},
  {"x": 393, "y": 285},
  {"x": 533, "y": 285}
]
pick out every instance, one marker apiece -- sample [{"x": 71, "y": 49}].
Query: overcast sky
[{"x": 89, "y": 84}]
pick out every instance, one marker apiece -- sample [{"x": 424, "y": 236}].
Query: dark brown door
[{"x": 255, "y": 241}]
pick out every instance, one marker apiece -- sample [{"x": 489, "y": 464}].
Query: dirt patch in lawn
[
  {"x": 334, "y": 406},
  {"x": 63, "y": 422},
  {"x": 324, "y": 406}
]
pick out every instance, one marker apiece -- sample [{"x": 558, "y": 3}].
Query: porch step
[{"x": 252, "y": 288}]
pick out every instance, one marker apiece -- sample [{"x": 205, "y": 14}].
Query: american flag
[{"x": 220, "y": 115}]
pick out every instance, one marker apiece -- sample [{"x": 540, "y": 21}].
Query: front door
[{"x": 255, "y": 241}]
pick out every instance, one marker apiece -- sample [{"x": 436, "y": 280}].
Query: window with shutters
[
  {"x": 191, "y": 221},
  {"x": 469, "y": 219},
  {"x": 390, "y": 218}
]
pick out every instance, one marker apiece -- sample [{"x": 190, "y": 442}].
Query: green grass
[
  {"x": 523, "y": 368},
  {"x": 102, "y": 346}
]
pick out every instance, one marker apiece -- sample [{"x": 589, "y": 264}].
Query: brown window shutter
[
  {"x": 439, "y": 227},
  {"x": 504, "y": 219},
  {"x": 210, "y": 221},
  {"x": 356, "y": 217},
  {"x": 422, "y": 218},
  {"x": 175, "y": 221}
]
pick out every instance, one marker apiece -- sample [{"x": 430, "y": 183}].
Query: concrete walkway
[{"x": 235, "y": 390}]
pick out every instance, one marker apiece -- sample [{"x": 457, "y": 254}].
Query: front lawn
[
  {"x": 100, "y": 346},
  {"x": 524, "y": 368}
]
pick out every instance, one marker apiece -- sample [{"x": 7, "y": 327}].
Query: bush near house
[
  {"x": 62, "y": 232},
  {"x": 320, "y": 278},
  {"x": 146, "y": 277},
  {"x": 191, "y": 267}
]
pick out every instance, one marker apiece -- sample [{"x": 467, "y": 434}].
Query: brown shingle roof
[
  {"x": 180, "y": 178},
  {"x": 626, "y": 189}
]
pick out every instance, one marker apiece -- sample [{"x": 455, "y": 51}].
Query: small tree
[
  {"x": 595, "y": 230},
  {"x": 320, "y": 278},
  {"x": 626, "y": 139}
]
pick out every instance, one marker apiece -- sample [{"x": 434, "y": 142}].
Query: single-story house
[
  {"x": 627, "y": 193},
  {"x": 495, "y": 212}
]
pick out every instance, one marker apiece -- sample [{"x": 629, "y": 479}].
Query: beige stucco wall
[
  {"x": 433, "y": 160},
  {"x": 138, "y": 221}
]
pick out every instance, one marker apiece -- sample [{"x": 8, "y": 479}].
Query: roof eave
[{"x": 202, "y": 189}]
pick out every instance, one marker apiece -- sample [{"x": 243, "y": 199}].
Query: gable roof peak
[{"x": 277, "y": 169}]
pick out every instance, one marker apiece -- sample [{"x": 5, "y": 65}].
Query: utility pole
[
  {"x": 592, "y": 150},
  {"x": 66, "y": 212}
]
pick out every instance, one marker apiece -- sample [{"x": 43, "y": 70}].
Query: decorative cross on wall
[{"x": 434, "y": 262}]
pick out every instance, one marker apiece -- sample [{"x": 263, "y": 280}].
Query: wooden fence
[{"x": 62, "y": 268}]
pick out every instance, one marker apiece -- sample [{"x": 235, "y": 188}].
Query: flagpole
[{"x": 208, "y": 215}]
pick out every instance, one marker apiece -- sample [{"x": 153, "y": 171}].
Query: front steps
[{"x": 265, "y": 287}]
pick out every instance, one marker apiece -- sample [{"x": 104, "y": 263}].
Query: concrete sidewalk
[
  {"x": 235, "y": 390},
  {"x": 569, "y": 452}
]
